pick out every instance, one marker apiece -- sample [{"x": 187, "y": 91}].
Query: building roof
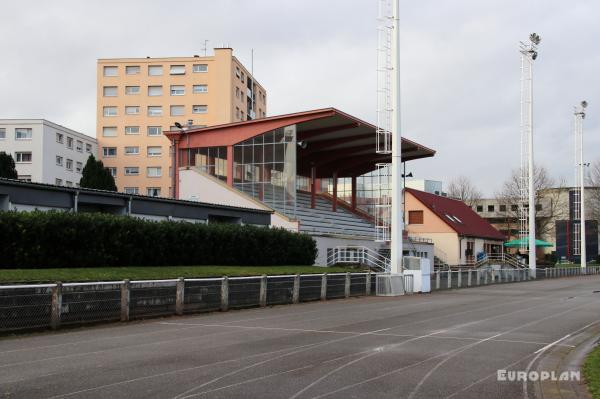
[
  {"x": 456, "y": 214},
  {"x": 335, "y": 141}
]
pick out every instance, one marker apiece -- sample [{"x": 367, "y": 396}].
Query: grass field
[
  {"x": 149, "y": 273},
  {"x": 591, "y": 370}
]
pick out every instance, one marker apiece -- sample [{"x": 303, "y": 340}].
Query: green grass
[
  {"x": 156, "y": 272},
  {"x": 591, "y": 371}
]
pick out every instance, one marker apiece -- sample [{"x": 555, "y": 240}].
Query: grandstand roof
[
  {"x": 336, "y": 141},
  {"x": 456, "y": 214}
]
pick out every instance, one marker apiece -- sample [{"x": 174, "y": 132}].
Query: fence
[
  {"x": 448, "y": 279},
  {"x": 41, "y": 306}
]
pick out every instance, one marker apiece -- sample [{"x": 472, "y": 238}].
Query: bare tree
[
  {"x": 461, "y": 188},
  {"x": 549, "y": 207},
  {"x": 592, "y": 199}
]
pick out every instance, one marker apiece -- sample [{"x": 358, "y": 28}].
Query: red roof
[{"x": 456, "y": 214}]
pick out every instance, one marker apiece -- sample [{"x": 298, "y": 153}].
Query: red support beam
[
  {"x": 335, "y": 182},
  {"x": 353, "y": 203},
  {"x": 230, "y": 165},
  {"x": 176, "y": 168},
  {"x": 313, "y": 187}
]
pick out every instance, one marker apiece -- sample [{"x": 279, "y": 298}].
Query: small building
[
  {"x": 458, "y": 233},
  {"x": 45, "y": 152}
]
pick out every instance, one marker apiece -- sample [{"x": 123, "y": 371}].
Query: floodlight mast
[
  {"x": 529, "y": 53},
  {"x": 397, "y": 222},
  {"x": 579, "y": 178}
]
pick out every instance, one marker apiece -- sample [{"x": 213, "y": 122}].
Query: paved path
[{"x": 445, "y": 344}]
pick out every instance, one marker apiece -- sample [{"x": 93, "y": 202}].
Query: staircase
[
  {"x": 359, "y": 255},
  {"x": 500, "y": 259}
]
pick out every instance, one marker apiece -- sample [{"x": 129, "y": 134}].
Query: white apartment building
[{"x": 45, "y": 152}]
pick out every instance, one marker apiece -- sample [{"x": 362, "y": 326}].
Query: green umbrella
[{"x": 518, "y": 243}]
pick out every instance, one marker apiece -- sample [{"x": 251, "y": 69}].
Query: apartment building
[
  {"x": 45, "y": 152},
  {"x": 140, "y": 98}
]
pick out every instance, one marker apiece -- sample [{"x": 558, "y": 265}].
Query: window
[
  {"x": 237, "y": 92},
  {"x": 132, "y": 70},
  {"x": 154, "y": 91},
  {"x": 415, "y": 217},
  {"x": 78, "y": 167},
  {"x": 109, "y": 152},
  {"x": 111, "y": 71},
  {"x": 69, "y": 164},
  {"x": 154, "y": 131},
  {"x": 132, "y": 170},
  {"x": 110, "y": 111},
  {"x": 154, "y": 151},
  {"x": 132, "y": 190},
  {"x": 132, "y": 90},
  {"x": 109, "y": 91},
  {"x": 132, "y": 130},
  {"x": 69, "y": 183},
  {"x": 79, "y": 146},
  {"x": 514, "y": 208},
  {"x": 177, "y": 70},
  {"x": 155, "y": 111},
  {"x": 237, "y": 112},
  {"x": 132, "y": 110},
  {"x": 132, "y": 150},
  {"x": 109, "y": 131},
  {"x": 200, "y": 68},
  {"x": 23, "y": 133},
  {"x": 155, "y": 70},
  {"x": 479, "y": 208},
  {"x": 112, "y": 170},
  {"x": 243, "y": 77},
  {"x": 153, "y": 191},
  {"x": 502, "y": 208},
  {"x": 199, "y": 109},
  {"x": 200, "y": 89},
  {"x": 58, "y": 182},
  {"x": 177, "y": 90},
  {"x": 490, "y": 208},
  {"x": 59, "y": 160},
  {"x": 242, "y": 115},
  {"x": 88, "y": 148},
  {"x": 2, "y": 133},
  {"x": 60, "y": 138},
  {"x": 237, "y": 71},
  {"x": 70, "y": 142},
  {"x": 154, "y": 171},
  {"x": 177, "y": 110}
]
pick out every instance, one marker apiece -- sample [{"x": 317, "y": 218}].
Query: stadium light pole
[
  {"x": 397, "y": 225},
  {"x": 579, "y": 117}
]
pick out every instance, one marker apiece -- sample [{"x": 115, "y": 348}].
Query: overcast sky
[{"x": 460, "y": 66}]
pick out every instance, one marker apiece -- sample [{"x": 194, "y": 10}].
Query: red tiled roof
[{"x": 457, "y": 215}]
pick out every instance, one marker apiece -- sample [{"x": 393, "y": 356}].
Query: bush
[{"x": 59, "y": 239}]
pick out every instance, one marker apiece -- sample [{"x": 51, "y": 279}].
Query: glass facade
[
  {"x": 211, "y": 160},
  {"x": 367, "y": 191},
  {"x": 265, "y": 168}
]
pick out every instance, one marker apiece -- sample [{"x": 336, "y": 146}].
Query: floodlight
[
  {"x": 584, "y": 104},
  {"x": 303, "y": 144},
  {"x": 534, "y": 55},
  {"x": 535, "y": 38},
  {"x": 178, "y": 125}
]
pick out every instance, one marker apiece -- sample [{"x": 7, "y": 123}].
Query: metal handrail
[{"x": 359, "y": 254}]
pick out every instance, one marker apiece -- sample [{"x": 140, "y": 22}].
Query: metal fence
[{"x": 41, "y": 306}]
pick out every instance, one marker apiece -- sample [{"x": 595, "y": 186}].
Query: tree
[
  {"x": 549, "y": 207},
  {"x": 462, "y": 189},
  {"x": 96, "y": 176},
  {"x": 592, "y": 196},
  {"x": 7, "y": 166}
]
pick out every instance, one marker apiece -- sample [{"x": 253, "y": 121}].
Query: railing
[
  {"x": 358, "y": 255},
  {"x": 43, "y": 306},
  {"x": 503, "y": 259}
]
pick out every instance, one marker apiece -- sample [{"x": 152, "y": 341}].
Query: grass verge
[
  {"x": 591, "y": 371},
  {"x": 155, "y": 272}
]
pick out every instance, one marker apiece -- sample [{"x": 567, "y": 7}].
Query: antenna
[{"x": 205, "y": 46}]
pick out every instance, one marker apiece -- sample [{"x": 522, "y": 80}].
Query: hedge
[{"x": 59, "y": 239}]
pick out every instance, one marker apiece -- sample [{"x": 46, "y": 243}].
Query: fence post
[
  {"x": 469, "y": 278},
  {"x": 368, "y": 287},
  {"x": 262, "y": 296},
  {"x": 324, "y": 286},
  {"x": 478, "y": 277},
  {"x": 224, "y": 294},
  {"x": 296, "y": 289},
  {"x": 179, "y": 296},
  {"x": 438, "y": 279},
  {"x": 125, "y": 288},
  {"x": 449, "y": 279},
  {"x": 459, "y": 279},
  {"x": 56, "y": 305},
  {"x": 347, "y": 285}
]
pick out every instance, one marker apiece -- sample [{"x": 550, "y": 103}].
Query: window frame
[
  {"x": 26, "y": 129},
  {"x": 197, "y": 70}
]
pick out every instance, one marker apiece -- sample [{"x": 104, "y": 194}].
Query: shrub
[{"x": 60, "y": 239}]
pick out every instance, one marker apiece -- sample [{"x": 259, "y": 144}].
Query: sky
[{"x": 460, "y": 67}]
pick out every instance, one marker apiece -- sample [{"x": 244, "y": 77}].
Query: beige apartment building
[{"x": 140, "y": 98}]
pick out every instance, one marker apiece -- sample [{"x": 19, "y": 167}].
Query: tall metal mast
[
  {"x": 579, "y": 194},
  {"x": 397, "y": 214},
  {"x": 526, "y": 184}
]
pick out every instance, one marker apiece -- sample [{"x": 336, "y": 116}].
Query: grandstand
[{"x": 293, "y": 164}]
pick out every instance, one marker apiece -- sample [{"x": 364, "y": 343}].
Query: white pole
[
  {"x": 397, "y": 216},
  {"x": 582, "y": 188},
  {"x": 532, "y": 248}
]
